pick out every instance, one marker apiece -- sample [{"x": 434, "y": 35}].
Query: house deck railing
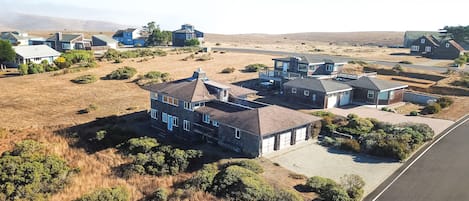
[
  {"x": 356, "y": 76},
  {"x": 205, "y": 131},
  {"x": 278, "y": 74}
]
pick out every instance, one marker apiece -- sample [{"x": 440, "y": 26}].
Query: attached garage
[
  {"x": 332, "y": 101},
  {"x": 300, "y": 135},
  {"x": 285, "y": 140},
  {"x": 345, "y": 98},
  {"x": 268, "y": 144}
]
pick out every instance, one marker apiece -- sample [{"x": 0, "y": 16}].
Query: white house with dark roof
[
  {"x": 103, "y": 41},
  {"x": 35, "y": 54}
]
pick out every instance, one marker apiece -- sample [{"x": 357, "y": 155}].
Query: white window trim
[
  {"x": 293, "y": 90},
  {"x": 428, "y": 48},
  {"x": 237, "y": 134},
  {"x": 186, "y": 125},
  {"x": 154, "y": 95},
  {"x": 447, "y": 45},
  {"x": 372, "y": 94},
  {"x": 422, "y": 40},
  {"x": 314, "y": 97},
  {"x": 173, "y": 102},
  {"x": 306, "y": 92},
  {"x": 188, "y": 106},
  {"x": 206, "y": 118},
  {"x": 154, "y": 114},
  {"x": 215, "y": 123},
  {"x": 329, "y": 67},
  {"x": 415, "y": 48},
  {"x": 175, "y": 121},
  {"x": 164, "y": 117}
]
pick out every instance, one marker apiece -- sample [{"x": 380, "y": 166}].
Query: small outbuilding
[{"x": 35, "y": 54}]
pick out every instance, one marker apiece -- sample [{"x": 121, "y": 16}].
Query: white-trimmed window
[
  {"x": 170, "y": 100},
  {"x": 215, "y": 123},
  {"x": 428, "y": 48},
  {"x": 206, "y": 118},
  {"x": 154, "y": 95},
  {"x": 197, "y": 105},
  {"x": 186, "y": 125},
  {"x": 370, "y": 94},
  {"x": 175, "y": 121},
  {"x": 330, "y": 67},
  {"x": 164, "y": 117},
  {"x": 314, "y": 97},
  {"x": 66, "y": 46},
  {"x": 414, "y": 48},
  {"x": 293, "y": 90},
  {"x": 306, "y": 92},
  {"x": 422, "y": 40},
  {"x": 237, "y": 133},
  {"x": 154, "y": 114},
  {"x": 447, "y": 45},
  {"x": 188, "y": 106}
]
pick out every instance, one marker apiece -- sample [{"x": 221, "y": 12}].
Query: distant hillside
[
  {"x": 342, "y": 38},
  {"x": 28, "y": 22}
]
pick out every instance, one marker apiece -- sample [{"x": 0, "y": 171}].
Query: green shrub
[
  {"x": 204, "y": 57},
  {"x": 322, "y": 113},
  {"x": 255, "y": 67},
  {"x": 138, "y": 145},
  {"x": 445, "y": 102},
  {"x": 122, "y": 73},
  {"x": 228, "y": 70},
  {"x": 85, "y": 79},
  {"x": 114, "y": 194},
  {"x": 286, "y": 195},
  {"x": 192, "y": 42},
  {"x": 359, "y": 62},
  {"x": 320, "y": 184},
  {"x": 217, "y": 44},
  {"x": 23, "y": 69},
  {"x": 159, "y": 195},
  {"x": 353, "y": 185},
  {"x": 248, "y": 164},
  {"x": 27, "y": 173},
  {"x": 329, "y": 141},
  {"x": 118, "y": 60},
  {"x": 413, "y": 113},
  {"x": 203, "y": 179},
  {"x": 335, "y": 193},
  {"x": 350, "y": 145},
  {"x": 432, "y": 108},
  {"x": 398, "y": 68},
  {"x": 297, "y": 176}
]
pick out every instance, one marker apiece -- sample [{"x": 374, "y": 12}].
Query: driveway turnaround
[
  {"x": 312, "y": 159},
  {"x": 438, "y": 125},
  {"x": 439, "y": 174}
]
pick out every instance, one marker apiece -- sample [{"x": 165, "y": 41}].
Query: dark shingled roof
[
  {"x": 324, "y": 86},
  {"x": 309, "y": 59},
  {"x": 375, "y": 84},
  {"x": 65, "y": 37},
  {"x": 185, "y": 89},
  {"x": 456, "y": 45},
  {"x": 260, "y": 121}
]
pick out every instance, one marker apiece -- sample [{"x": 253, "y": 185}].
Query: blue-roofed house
[
  {"x": 130, "y": 36},
  {"x": 187, "y": 32}
]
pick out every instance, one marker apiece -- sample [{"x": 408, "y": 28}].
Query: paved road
[
  {"x": 324, "y": 56},
  {"x": 441, "y": 174}
]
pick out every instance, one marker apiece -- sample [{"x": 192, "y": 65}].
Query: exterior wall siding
[
  {"x": 444, "y": 52},
  {"x": 299, "y": 96},
  {"x": 248, "y": 143}
]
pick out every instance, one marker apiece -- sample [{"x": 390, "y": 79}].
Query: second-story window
[
  {"x": 293, "y": 90},
  {"x": 329, "y": 67},
  {"x": 422, "y": 40},
  {"x": 237, "y": 134},
  {"x": 306, "y": 92},
  {"x": 188, "y": 106},
  {"x": 206, "y": 118},
  {"x": 215, "y": 123},
  {"x": 170, "y": 100},
  {"x": 154, "y": 114}
]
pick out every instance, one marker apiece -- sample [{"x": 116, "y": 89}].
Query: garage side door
[
  {"x": 345, "y": 98},
  {"x": 300, "y": 135},
  {"x": 285, "y": 140},
  {"x": 332, "y": 101},
  {"x": 268, "y": 144}
]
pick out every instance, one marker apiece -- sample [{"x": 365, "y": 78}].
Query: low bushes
[
  {"x": 255, "y": 67},
  {"x": 350, "y": 145},
  {"x": 114, "y": 194},
  {"x": 27, "y": 173},
  {"x": 445, "y": 102},
  {"x": 248, "y": 164},
  {"x": 153, "y": 77},
  {"x": 85, "y": 79},
  {"x": 32, "y": 68},
  {"x": 432, "y": 108},
  {"x": 350, "y": 188},
  {"x": 228, "y": 70},
  {"x": 413, "y": 113},
  {"x": 192, "y": 42},
  {"x": 405, "y": 62},
  {"x": 115, "y": 55},
  {"x": 151, "y": 158},
  {"x": 122, "y": 73},
  {"x": 235, "y": 182}
]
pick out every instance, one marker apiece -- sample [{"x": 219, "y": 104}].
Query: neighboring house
[
  {"x": 290, "y": 68},
  {"x": 318, "y": 93},
  {"x": 411, "y": 36},
  {"x": 370, "y": 90},
  {"x": 104, "y": 41},
  {"x": 35, "y": 54},
  {"x": 130, "y": 37},
  {"x": 63, "y": 42},
  {"x": 197, "y": 108},
  {"x": 15, "y": 38},
  {"x": 187, "y": 32},
  {"x": 431, "y": 47}
]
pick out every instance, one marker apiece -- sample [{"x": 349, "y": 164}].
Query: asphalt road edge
[{"x": 374, "y": 195}]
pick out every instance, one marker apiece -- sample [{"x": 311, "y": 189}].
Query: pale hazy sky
[{"x": 259, "y": 16}]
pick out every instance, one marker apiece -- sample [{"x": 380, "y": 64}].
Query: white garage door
[
  {"x": 300, "y": 135},
  {"x": 285, "y": 140},
  {"x": 332, "y": 101},
  {"x": 345, "y": 98},
  {"x": 268, "y": 144}
]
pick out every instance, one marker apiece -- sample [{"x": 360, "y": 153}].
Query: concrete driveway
[
  {"x": 312, "y": 159},
  {"x": 438, "y": 125}
]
